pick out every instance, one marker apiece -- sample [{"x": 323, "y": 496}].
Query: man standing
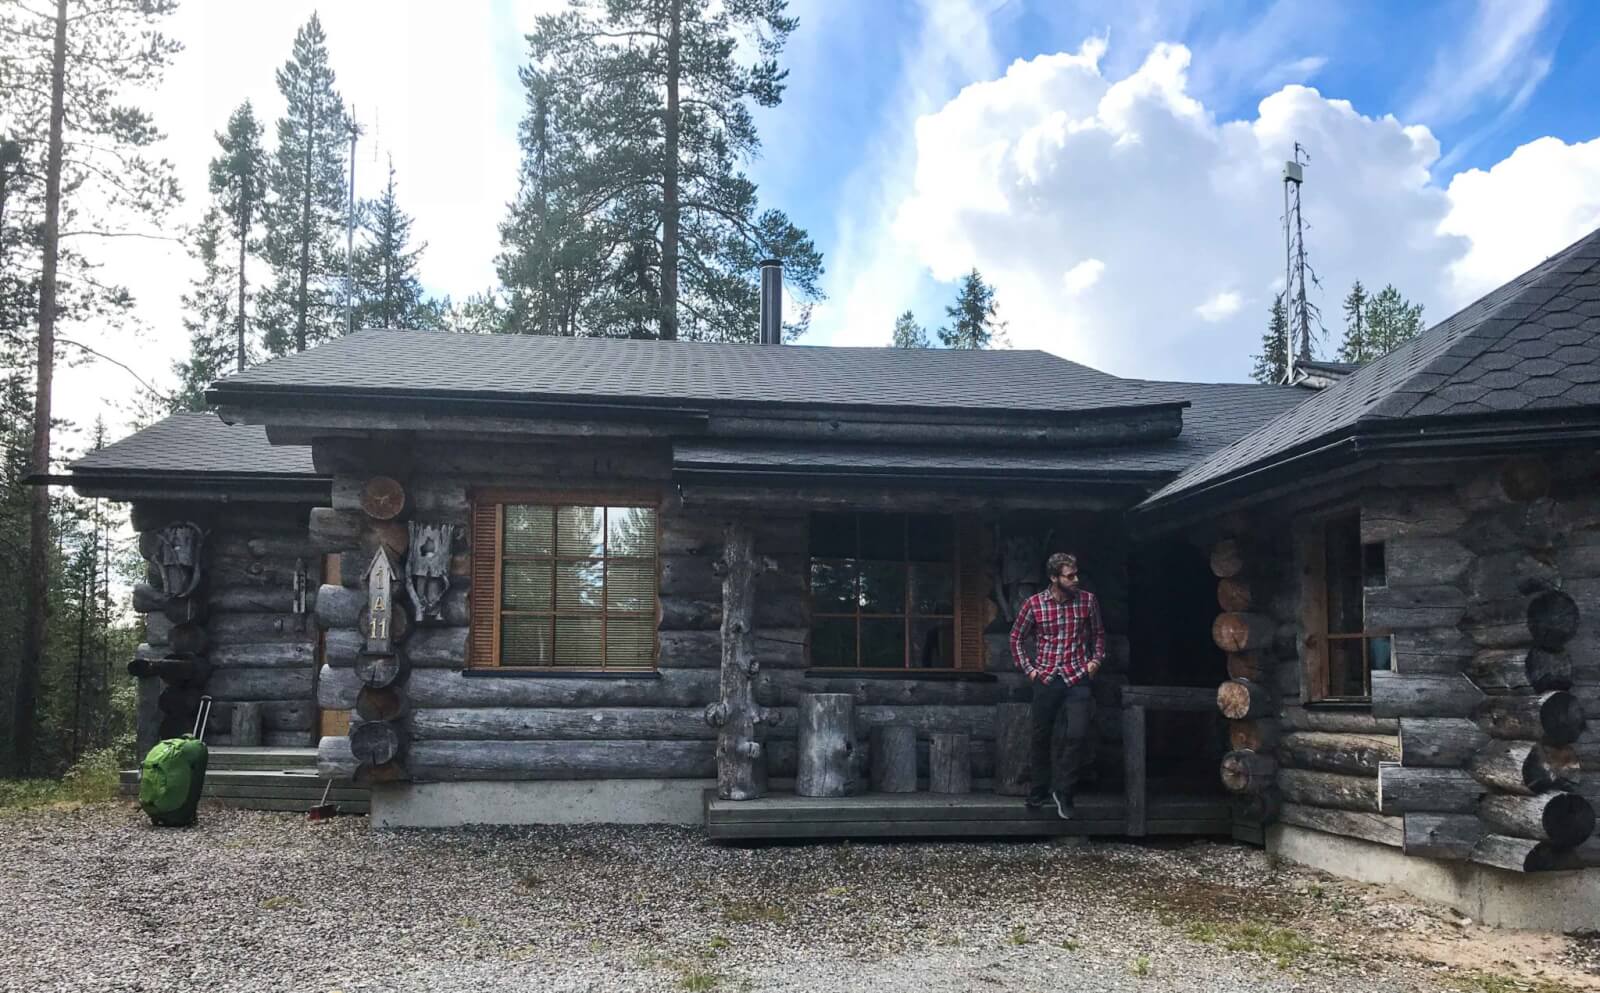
[{"x": 1072, "y": 645}]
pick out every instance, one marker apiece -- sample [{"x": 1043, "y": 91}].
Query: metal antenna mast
[
  {"x": 1296, "y": 314},
  {"x": 350, "y": 237}
]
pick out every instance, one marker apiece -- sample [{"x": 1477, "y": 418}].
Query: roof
[
  {"x": 1318, "y": 365},
  {"x": 1531, "y": 345},
  {"x": 526, "y": 368},
  {"x": 192, "y": 444}
]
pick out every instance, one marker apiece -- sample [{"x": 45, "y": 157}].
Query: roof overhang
[{"x": 193, "y": 486}]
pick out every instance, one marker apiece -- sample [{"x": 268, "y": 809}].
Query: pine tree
[
  {"x": 1272, "y": 364},
  {"x": 908, "y": 333},
  {"x": 974, "y": 317},
  {"x": 308, "y": 200},
  {"x": 388, "y": 293},
  {"x": 1392, "y": 320},
  {"x": 1354, "y": 347},
  {"x": 209, "y": 316},
  {"x": 635, "y": 218},
  {"x": 238, "y": 182}
]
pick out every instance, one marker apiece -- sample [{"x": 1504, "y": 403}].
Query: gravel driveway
[{"x": 94, "y": 899}]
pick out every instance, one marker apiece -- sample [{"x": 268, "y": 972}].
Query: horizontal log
[
  {"x": 1439, "y": 651},
  {"x": 1521, "y": 670},
  {"x": 158, "y": 630},
  {"x": 1353, "y": 753},
  {"x": 442, "y": 499},
  {"x": 147, "y": 599},
  {"x": 392, "y": 536},
  {"x": 339, "y": 606},
  {"x": 288, "y": 716},
  {"x": 337, "y": 688},
  {"x": 474, "y": 760},
  {"x": 1329, "y": 789},
  {"x": 681, "y": 613},
  {"x": 1227, "y": 559},
  {"x": 780, "y": 648},
  {"x": 254, "y": 574},
  {"x": 256, "y": 599},
  {"x": 261, "y": 684},
  {"x": 1563, "y": 819},
  {"x": 1518, "y": 573},
  {"x": 1523, "y": 767},
  {"x": 1255, "y": 736},
  {"x": 564, "y": 724},
  {"x": 341, "y": 646},
  {"x": 1244, "y": 665},
  {"x": 331, "y": 530},
  {"x": 1195, "y": 699},
  {"x": 1243, "y": 632},
  {"x": 1348, "y": 823},
  {"x": 1515, "y": 854},
  {"x": 1442, "y": 836},
  {"x": 335, "y": 760},
  {"x": 1439, "y": 742},
  {"x": 380, "y": 704},
  {"x": 437, "y": 647},
  {"x": 174, "y": 669},
  {"x": 1241, "y": 699},
  {"x": 1246, "y": 771},
  {"x": 378, "y": 743},
  {"x": 272, "y": 655},
  {"x": 1408, "y": 790},
  {"x": 1424, "y": 561},
  {"x": 277, "y": 546},
  {"x": 1394, "y": 608},
  {"x": 238, "y": 628},
  {"x": 784, "y": 687},
  {"x": 1297, "y": 718},
  {"x": 439, "y": 688},
  {"x": 1233, "y": 595},
  {"x": 1398, "y": 695},
  {"x": 1555, "y": 718},
  {"x": 1388, "y": 515},
  {"x": 701, "y": 535}
]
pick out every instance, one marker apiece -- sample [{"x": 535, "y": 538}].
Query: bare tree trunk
[
  {"x": 301, "y": 304},
  {"x": 669, "y": 184},
  {"x": 33, "y": 637},
  {"x": 244, "y": 236}
]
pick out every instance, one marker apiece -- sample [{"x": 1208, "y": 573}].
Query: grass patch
[
  {"x": 1070, "y": 944},
  {"x": 718, "y": 943},
  {"x": 1018, "y": 935},
  {"x": 1491, "y": 982},
  {"x": 1140, "y": 966},
  {"x": 751, "y": 912},
  {"x": 279, "y": 903},
  {"x": 698, "y": 980},
  {"x": 530, "y": 881},
  {"x": 93, "y": 780},
  {"x": 1284, "y": 947}
]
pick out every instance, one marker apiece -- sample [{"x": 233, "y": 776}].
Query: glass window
[
  {"x": 1349, "y": 653},
  {"x": 578, "y": 586},
  {"x": 883, "y": 591}
]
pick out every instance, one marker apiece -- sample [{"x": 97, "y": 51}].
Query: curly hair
[{"x": 1057, "y": 562}]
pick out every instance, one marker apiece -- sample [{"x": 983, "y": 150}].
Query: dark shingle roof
[
  {"x": 196, "y": 444},
  {"x": 609, "y": 370},
  {"x": 1532, "y": 344}
]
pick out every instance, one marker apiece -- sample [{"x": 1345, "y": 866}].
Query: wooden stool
[
  {"x": 1013, "y": 727},
  {"x": 894, "y": 758},
  {"x": 826, "y": 743},
  {"x": 949, "y": 763}
]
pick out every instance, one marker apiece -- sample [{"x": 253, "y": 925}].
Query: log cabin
[{"x": 766, "y": 588}]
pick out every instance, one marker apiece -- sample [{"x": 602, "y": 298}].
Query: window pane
[
  {"x": 933, "y": 589},
  {"x": 1380, "y": 649},
  {"x": 578, "y": 642},
  {"x": 883, "y": 643},
  {"x": 833, "y": 536},
  {"x": 1344, "y": 576},
  {"x": 579, "y": 531},
  {"x": 630, "y": 642},
  {"x": 883, "y": 536},
  {"x": 930, "y": 538},
  {"x": 883, "y": 588},
  {"x": 833, "y": 587},
  {"x": 933, "y": 643},
  {"x": 525, "y": 641},
  {"x": 529, "y": 529},
  {"x": 1346, "y": 668},
  {"x": 526, "y": 586},
  {"x": 578, "y": 585},
  {"x": 833, "y": 641},
  {"x": 631, "y": 584},
  {"x": 630, "y": 531}
]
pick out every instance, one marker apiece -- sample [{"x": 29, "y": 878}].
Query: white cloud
[
  {"x": 1220, "y": 307},
  {"x": 1082, "y": 276},
  {"x": 1497, "y": 59}
]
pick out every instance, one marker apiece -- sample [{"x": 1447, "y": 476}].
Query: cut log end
[
  {"x": 1227, "y": 560},
  {"x": 383, "y": 498},
  {"x": 1552, "y": 619},
  {"x": 1241, "y": 699},
  {"x": 1247, "y": 771}
]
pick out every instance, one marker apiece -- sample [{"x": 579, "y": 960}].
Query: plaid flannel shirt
[{"x": 1071, "y": 635}]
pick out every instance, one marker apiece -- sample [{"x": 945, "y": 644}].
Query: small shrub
[
  {"x": 1140, "y": 966},
  {"x": 1018, "y": 935},
  {"x": 1070, "y": 944},
  {"x": 718, "y": 943},
  {"x": 279, "y": 903}
]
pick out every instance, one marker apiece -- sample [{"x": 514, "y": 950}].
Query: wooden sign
[{"x": 380, "y": 602}]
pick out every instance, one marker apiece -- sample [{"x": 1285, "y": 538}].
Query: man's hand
[{"x": 1094, "y": 666}]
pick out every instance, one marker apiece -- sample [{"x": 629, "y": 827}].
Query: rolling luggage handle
[{"x": 202, "y": 717}]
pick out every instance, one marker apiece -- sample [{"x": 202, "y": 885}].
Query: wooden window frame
[
  {"x": 1314, "y": 613},
  {"x": 485, "y": 650},
  {"x": 962, "y": 660}
]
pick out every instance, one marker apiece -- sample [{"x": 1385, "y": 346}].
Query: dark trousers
[{"x": 1055, "y": 701}]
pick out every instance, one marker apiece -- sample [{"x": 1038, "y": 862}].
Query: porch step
[
  {"x": 252, "y": 788},
  {"x": 931, "y": 815}
]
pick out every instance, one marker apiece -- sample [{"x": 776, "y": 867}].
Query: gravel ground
[{"x": 94, "y": 899}]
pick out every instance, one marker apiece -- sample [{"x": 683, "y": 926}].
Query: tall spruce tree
[
  {"x": 238, "y": 182},
  {"x": 908, "y": 333},
  {"x": 80, "y": 171},
  {"x": 1272, "y": 364},
  {"x": 974, "y": 317},
  {"x": 209, "y": 315},
  {"x": 388, "y": 293},
  {"x": 1392, "y": 320},
  {"x": 646, "y": 107},
  {"x": 307, "y": 182},
  {"x": 1355, "y": 346}
]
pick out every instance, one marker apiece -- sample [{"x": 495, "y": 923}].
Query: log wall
[{"x": 243, "y": 636}]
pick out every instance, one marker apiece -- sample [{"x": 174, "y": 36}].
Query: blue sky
[{"x": 1111, "y": 166}]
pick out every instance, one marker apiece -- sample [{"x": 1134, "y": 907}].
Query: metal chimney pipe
[{"x": 771, "y": 302}]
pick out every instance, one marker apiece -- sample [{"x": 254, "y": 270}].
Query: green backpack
[{"x": 172, "y": 775}]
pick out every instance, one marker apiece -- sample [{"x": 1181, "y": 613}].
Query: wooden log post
[
  {"x": 1135, "y": 768},
  {"x": 1248, "y": 772},
  {"x": 1013, "y": 727},
  {"x": 1563, "y": 819},
  {"x": 246, "y": 723},
  {"x": 826, "y": 743},
  {"x": 894, "y": 758},
  {"x": 741, "y": 771},
  {"x": 1442, "y": 836},
  {"x": 1556, "y": 718},
  {"x": 1241, "y": 699},
  {"x": 1243, "y": 632},
  {"x": 950, "y": 762},
  {"x": 1524, "y": 768}
]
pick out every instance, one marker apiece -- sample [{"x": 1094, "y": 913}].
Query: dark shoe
[
  {"x": 1063, "y": 804},
  {"x": 1036, "y": 801}
]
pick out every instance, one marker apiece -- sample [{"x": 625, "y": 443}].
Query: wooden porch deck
[{"x": 785, "y": 816}]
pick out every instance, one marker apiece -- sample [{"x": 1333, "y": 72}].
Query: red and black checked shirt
[{"x": 1071, "y": 635}]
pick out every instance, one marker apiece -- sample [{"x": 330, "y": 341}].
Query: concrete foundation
[
  {"x": 1544, "y": 901},
  {"x": 605, "y": 801}
]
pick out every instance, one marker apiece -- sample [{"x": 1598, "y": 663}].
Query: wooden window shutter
[
  {"x": 972, "y": 594},
  {"x": 484, "y": 597}
]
